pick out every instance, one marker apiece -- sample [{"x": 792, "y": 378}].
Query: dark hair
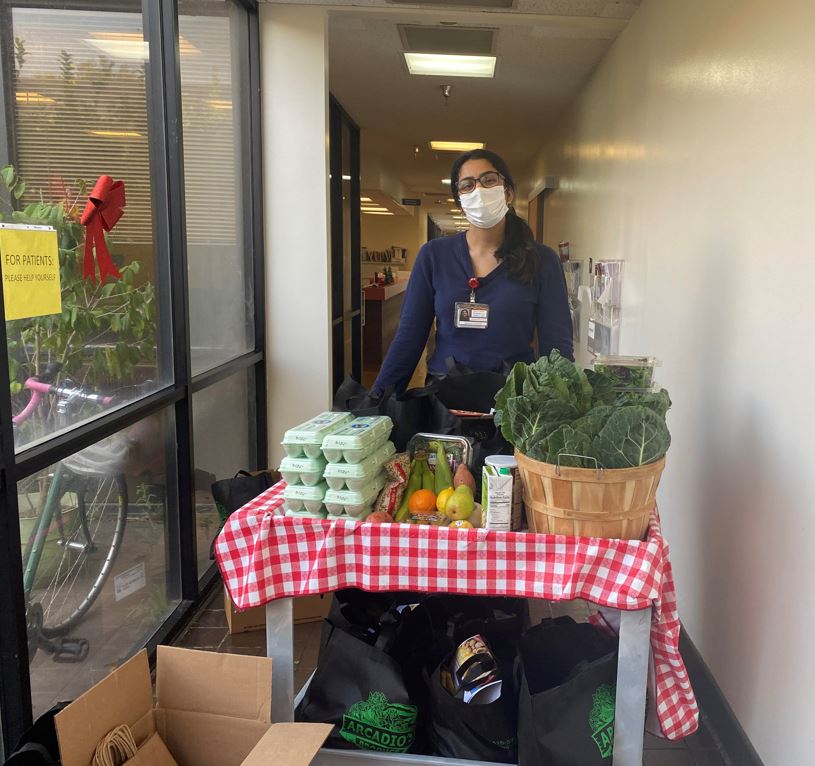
[{"x": 518, "y": 249}]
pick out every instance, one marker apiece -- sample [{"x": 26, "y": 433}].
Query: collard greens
[{"x": 553, "y": 411}]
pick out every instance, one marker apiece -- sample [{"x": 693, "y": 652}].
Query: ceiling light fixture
[
  {"x": 377, "y": 212},
  {"x": 131, "y": 45},
  {"x": 346, "y": 178},
  {"x": 115, "y": 133},
  {"x": 456, "y": 146},
  {"x": 377, "y": 209},
  {"x": 365, "y": 199},
  {"x": 445, "y": 181},
  {"x": 32, "y": 97},
  {"x": 445, "y": 64}
]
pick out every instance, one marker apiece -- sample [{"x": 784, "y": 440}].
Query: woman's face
[{"x": 474, "y": 168}]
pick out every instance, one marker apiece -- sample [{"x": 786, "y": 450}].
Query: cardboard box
[
  {"x": 211, "y": 710},
  {"x": 253, "y": 618},
  {"x": 312, "y": 608},
  {"x": 306, "y": 609}
]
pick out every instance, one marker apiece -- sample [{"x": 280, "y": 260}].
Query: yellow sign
[{"x": 29, "y": 261}]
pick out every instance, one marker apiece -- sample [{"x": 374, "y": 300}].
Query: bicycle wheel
[{"x": 84, "y": 540}]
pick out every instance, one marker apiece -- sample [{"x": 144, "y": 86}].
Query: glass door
[{"x": 346, "y": 286}]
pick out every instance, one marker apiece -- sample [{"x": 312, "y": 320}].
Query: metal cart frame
[{"x": 629, "y": 723}]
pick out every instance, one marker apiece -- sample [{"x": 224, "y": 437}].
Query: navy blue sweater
[{"x": 439, "y": 279}]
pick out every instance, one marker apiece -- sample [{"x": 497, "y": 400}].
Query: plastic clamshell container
[
  {"x": 302, "y": 470},
  {"x": 358, "y": 439},
  {"x": 355, "y": 476},
  {"x": 356, "y": 503},
  {"x": 304, "y": 500},
  {"x": 630, "y": 373},
  {"x": 307, "y": 438},
  {"x": 459, "y": 448}
]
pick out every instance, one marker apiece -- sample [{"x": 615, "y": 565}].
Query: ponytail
[{"x": 518, "y": 250}]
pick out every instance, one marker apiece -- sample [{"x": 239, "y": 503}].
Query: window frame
[{"x": 160, "y": 24}]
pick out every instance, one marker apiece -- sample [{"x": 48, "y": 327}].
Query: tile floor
[{"x": 208, "y": 630}]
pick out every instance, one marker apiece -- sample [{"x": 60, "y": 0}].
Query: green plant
[
  {"x": 104, "y": 330},
  {"x": 553, "y": 411}
]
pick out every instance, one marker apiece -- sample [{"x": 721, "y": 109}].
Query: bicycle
[{"x": 78, "y": 512}]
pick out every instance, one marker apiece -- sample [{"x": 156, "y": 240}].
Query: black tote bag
[
  {"x": 38, "y": 746},
  {"x": 454, "y": 728},
  {"x": 359, "y": 689},
  {"x": 410, "y": 411},
  {"x": 458, "y": 729},
  {"x": 567, "y": 674}
]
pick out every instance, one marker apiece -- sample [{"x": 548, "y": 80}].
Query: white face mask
[{"x": 485, "y": 208}]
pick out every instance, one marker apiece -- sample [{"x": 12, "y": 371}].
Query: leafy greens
[{"x": 554, "y": 411}]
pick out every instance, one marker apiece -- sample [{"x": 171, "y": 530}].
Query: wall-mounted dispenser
[{"x": 606, "y": 306}]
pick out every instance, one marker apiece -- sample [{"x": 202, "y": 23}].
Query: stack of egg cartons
[
  {"x": 356, "y": 455},
  {"x": 302, "y": 468}
]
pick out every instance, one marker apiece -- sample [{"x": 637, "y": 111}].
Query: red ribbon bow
[{"x": 102, "y": 212}]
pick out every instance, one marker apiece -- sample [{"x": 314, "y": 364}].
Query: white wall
[
  {"x": 295, "y": 188},
  {"x": 691, "y": 154}
]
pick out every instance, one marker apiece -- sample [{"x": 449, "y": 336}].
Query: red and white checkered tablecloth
[{"x": 264, "y": 555}]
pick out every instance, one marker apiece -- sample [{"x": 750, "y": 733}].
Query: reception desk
[{"x": 383, "y": 305}]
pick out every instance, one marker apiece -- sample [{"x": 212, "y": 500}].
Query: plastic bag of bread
[{"x": 396, "y": 473}]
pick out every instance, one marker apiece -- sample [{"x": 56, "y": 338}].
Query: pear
[{"x": 461, "y": 503}]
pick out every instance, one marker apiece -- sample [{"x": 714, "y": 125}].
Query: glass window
[
  {"x": 224, "y": 425},
  {"x": 99, "y": 573},
  {"x": 214, "y": 89},
  {"x": 79, "y": 113}
]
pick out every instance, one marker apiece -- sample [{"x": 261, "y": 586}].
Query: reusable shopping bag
[
  {"x": 567, "y": 673},
  {"x": 410, "y": 411},
  {"x": 481, "y": 732},
  {"x": 38, "y": 746},
  {"x": 232, "y": 494},
  {"x": 360, "y": 689}
]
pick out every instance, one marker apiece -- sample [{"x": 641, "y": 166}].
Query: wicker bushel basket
[{"x": 589, "y": 502}]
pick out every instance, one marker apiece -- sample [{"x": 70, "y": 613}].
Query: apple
[
  {"x": 380, "y": 517},
  {"x": 461, "y": 503}
]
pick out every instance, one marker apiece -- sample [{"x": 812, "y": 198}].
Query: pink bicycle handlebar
[{"x": 39, "y": 390}]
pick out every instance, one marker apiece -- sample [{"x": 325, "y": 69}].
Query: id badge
[{"x": 472, "y": 316}]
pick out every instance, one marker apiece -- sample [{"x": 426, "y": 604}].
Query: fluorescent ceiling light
[
  {"x": 449, "y": 65},
  {"x": 456, "y": 146},
  {"x": 374, "y": 209},
  {"x": 445, "y": 181},
  {"x": 216, "y": 103},
  {"x": 346, "y": 178},
  {"x": 365, "y": 199},
  {"x": 131, "y": 46},
  {"x": 32, "y": 97},
  {"x": 376, "y": 212},
  {"x": 115, "y": 133}
]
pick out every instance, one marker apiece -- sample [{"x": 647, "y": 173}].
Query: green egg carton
[
  {"x": 355, "y": 476},
  {"x": 300, "y": 499},
  {"x": 358, "y": 439},
  {"x": 357, "y": 504},
  {"x": 307, "y": 438},
  {"x": 302, "y": 470}
]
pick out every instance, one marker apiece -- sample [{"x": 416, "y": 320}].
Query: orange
[{"x": 422, "y": 503}]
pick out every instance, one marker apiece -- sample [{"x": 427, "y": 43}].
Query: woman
[{"x": 490, "y": 288}]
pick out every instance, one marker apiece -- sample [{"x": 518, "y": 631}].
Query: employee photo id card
[{"x": 472, "y": 316}]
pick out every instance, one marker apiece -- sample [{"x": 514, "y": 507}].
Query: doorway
[{"x": 346, "y": 302}]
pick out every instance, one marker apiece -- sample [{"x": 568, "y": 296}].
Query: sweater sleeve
[
  {"x": 415, "y": 321},
  {"x": 554, "y": 317}
]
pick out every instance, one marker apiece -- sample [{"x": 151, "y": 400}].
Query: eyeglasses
[{"x": 487, "y": 180}]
